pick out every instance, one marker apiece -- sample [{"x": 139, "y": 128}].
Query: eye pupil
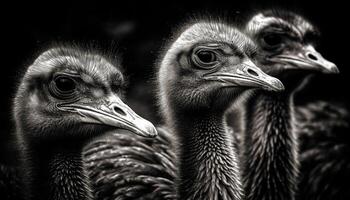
[
  {"x": 65, "y": 84},
  {"x": 272, "y": 40},
  {"x": 206, "y": 56}
]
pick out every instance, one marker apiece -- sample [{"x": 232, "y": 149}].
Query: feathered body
[
  {"x": 192, "y": 158},
  {"x": 323, "y": 129},
  {"x": 269, "y": 144},
  {"x": 123, "y": 166},
  {"x": 67, "y": 97}
]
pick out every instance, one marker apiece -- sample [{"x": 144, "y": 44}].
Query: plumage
[
  {"x": 192, "y": 156},
  {"x": 123, "y": 166},
  {"x": 270, "y": 157},
  {"x": 324, "y": 149},
  {"x": 67, "y": 97},
  {"x": 269, "y": 145}
]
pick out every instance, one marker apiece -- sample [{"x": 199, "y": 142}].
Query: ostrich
[
  {"x": 269, "y": 143},
  {"x": 201, "y": 74},
  {"x": 67, "y": 97}
]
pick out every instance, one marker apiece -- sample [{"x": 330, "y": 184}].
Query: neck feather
[
  {"x": 208, "y": 161},
  {"x": 55, "y": 170},
  {"x": 270, "y": 148}
]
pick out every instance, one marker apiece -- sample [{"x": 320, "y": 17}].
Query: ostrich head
[
  {"x": 287, "y": 43},
  {"x": 74, "y": 93},
  {"x": 207, "y": 66}
]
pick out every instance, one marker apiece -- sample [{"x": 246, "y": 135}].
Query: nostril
[
  {"x": 252, "y": 72},
  {"x": 119, "y": 111},
  {"x": 312, "y": 57}
]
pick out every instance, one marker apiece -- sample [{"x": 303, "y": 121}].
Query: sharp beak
[
  {"x": 246, "y": 74},
  {"x": 309, "y": 59},
  {"x": 114, "y": 112}
]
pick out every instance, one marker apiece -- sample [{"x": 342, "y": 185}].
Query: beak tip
[
  {"x": 335, "y": 70},
  {"x": 152, "y": 132},
  {"x": 281, "y": 87},
  {"x": 149, "y": 130},
  {"x": 276, "y": 85}
]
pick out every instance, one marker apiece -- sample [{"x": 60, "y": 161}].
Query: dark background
[{"x": 138, "y": 31}]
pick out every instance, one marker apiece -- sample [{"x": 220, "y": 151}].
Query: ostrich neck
[
  {"x": 206, "y": 155},
  {"x": 56, "y": 170},
  {"x": 271, "y": 165}
]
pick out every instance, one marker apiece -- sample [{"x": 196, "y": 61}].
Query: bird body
[
  {"x": 127, "y": 167},
  {"x": 204, "y": 70},
  {"x": 67, "y": 97},
  {"x": 323, "y": 129},
  {"x": 271, "y": 140},
  {"x": 269, "y": 145}
]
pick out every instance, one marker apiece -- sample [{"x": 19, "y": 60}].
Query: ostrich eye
[
  {"x": 63, "y": 87},
  {"x": 272, "y": 40},
  {"x": 206, "y": 56},
  {"x": 65, "y": 84},
  {"x": 205, "y": 59}
]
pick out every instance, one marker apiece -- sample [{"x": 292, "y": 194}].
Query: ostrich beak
[
  {"x": 113, "y": 112},
  {"x": 309, "y": 59},
  {"x": 246, "y": 74}
]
